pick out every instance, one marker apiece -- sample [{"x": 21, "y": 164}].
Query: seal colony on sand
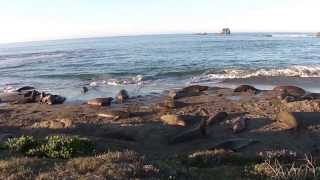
[
  {"x": 29, "y": 94},
  {"x": 183, "y": 121}
]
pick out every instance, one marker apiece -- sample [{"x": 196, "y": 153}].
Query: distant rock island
[
  {"x": 318, "y": 34},
  {"x": 226, "y": 31}
]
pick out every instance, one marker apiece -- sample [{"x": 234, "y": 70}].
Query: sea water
[{"x": 154, "y": 63}]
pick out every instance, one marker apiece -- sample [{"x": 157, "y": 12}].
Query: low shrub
[
  {"x": 52, "y": 146},
  {"x": 22, "y": 144},
  {"x": 277, "y": 170}
]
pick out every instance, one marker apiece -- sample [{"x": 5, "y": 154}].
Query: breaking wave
[
  {"x": 292, "y": 35},
  {"x": 294, "y": 71},
  {"x": 136, "y": 80}
]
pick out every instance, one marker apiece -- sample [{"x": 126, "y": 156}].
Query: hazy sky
[{"x": 26, "y": 20}]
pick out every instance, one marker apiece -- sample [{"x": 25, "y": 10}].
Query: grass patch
[
  {"x": 52, "y": 146},
  {"x": 274, "y": 169},
  {"x": 23, "y": 168},
  {"x": 112, "y": 165}
]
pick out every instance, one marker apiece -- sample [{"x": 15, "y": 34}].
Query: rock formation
[{"x": 226, "y": 31}]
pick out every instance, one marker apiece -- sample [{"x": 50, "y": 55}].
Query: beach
[{"x": 186, "y": 126}]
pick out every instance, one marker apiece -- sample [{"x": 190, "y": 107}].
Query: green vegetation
[
  {"x": 111, "y": 165},
  {"x": 53, "y": 146},
  {"x": 22, "y": 144},
  {"x": 59, "y": 159},
  {"x": 277, "y": 170}
]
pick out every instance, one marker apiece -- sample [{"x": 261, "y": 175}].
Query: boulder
[
  {"x": 290, "y": 91},
  {"x": 100, "y": 101},
  {"x": 122, "y": 96},
  {"x": 247, "y": 89}
]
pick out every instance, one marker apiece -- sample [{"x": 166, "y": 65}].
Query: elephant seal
[
  {"x": 84, "y": 90},
  {"x": 195, "y": 89},
  {"x": 115, "y": 115},
  {"x": 100, "y": 101},
  {"x": 246, "y": 88},
  {"x": 219, "y": 117},
  {"x": 122, "y": 96},
  {"x": 187, "y": 91},
  {"x": 25, "y": 88},
  {"x": 53, "y": 99},
  {"x": 290, "y": 91}
]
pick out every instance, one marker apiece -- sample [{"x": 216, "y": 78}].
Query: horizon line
[{"x": 143, "y": 34}]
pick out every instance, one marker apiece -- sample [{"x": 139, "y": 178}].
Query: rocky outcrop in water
[{"x": 226, "y": 31}]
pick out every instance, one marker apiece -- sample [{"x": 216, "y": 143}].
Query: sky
[{"x": 34, "y": 20}]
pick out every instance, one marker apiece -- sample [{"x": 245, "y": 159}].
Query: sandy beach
[{"x": 184, "y": 127}]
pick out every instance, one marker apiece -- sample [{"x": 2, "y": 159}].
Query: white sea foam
[
  {"x": 292, "y": 35},
  {"x": 138, "y": 80},
  {"x": 294, "y": 71}
]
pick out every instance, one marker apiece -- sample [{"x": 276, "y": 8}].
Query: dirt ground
[{"x": 144, "y": 131}]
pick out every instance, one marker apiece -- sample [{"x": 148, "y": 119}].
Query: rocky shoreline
[{"x": 245, "y": 121}]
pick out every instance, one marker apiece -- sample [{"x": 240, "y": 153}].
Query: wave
[
  {"x": 292, "y": 35},
  {"x": 293, "y": 71},
  {"x": 42, "y": 55},
  {"x": 136, "y": 80}
]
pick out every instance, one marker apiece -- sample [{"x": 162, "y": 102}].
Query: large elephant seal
[
  {"x": 25, "y": 88},
  {"x": 247, "y": 89},
  {"x": 187, "y": 91},
  {"x": 290, "y": 91},
  {"x": 53, "y": 99},
  {"x": 100, "y": 101},
  {"x": 287, "y": 119},
  {"x": 122, "y": 96},
  {"x": 297, "y": 120},
  {"x": 195, "y": 89}
]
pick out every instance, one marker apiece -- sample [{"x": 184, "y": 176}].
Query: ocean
[{"x": 150, "y": 64}]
